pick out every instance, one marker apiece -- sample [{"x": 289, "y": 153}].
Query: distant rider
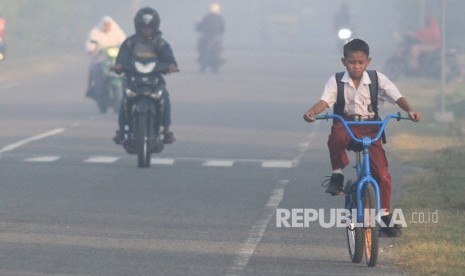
[
  {"x": 2, "y": 37},
  {"x": 2, "y": 27},
  {"x": 426, "y": 40},
  {"x": 146, "y": 42},
  {"x": 211, "y": 28},
  {"x": 106, "y": 34},
  {"x": 342, "y": 17}
]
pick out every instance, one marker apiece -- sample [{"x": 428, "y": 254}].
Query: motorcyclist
[
  {"x": 146, "y": 42},
  {"x": 2, "y": 27},
  {"x": 2, "y": 37},
  {"x": 106, "y": 34},
  {"x": 342, "y": 17},
  {"x": 425, "y": 41},
  {"x": 211, "y": 28}
]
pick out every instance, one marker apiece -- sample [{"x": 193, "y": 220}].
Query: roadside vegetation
[{"x": 433, "y": 198}]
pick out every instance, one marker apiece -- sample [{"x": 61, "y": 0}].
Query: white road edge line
[
  {"x": 31, "y": 139},
  {"x": 258, "y": 229}
]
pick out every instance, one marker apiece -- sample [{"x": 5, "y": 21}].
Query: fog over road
[{"x": 74, "y": 203}]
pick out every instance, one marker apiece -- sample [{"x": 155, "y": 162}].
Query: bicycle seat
[{"x": 354, "y": 146}]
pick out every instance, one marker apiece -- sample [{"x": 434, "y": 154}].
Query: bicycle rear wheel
[
  {"x": 370, "y": 228},
  {"x": 355, "y": 238}
]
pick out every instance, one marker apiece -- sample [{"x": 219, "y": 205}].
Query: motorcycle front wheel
[{"x": 142, "y": 138}]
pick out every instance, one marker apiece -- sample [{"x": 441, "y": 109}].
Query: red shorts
[{"x": 337, "y": 143}]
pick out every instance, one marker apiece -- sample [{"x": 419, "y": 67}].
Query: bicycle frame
[{"x": 363, "y": 170}]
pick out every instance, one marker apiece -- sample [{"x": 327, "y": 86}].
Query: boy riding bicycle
[{"x": 359, "y": 100}]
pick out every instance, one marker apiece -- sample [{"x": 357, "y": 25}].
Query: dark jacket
[
  {"x": 135, "y": 47},
  {"x": 211, "y": 25}
]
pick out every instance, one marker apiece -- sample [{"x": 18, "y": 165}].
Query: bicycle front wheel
[
  {"x": 355, "y": 242},
  {"x": 355, "y": 237},
  {"x": 370, "y": 227}
]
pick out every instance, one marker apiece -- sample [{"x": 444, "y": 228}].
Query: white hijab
[{"x": 99, "y": 39}]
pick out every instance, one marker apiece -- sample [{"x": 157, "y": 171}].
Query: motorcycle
[
  {"x": 210, "y": 53},
  {"x": 345, "y": 35},
  {"x": 2, "y": 49},
  {"x": 429, "y": 63},
  {"x": 107, "y": 87},
  {"x": 145, "y": 95}
]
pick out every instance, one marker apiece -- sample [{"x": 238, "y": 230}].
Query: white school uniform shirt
[{"x": 357, "y": 100}]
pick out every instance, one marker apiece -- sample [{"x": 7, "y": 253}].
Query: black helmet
[{"x": 147, "y": 17}]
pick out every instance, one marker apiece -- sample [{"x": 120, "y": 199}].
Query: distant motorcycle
[
  {"x": 145, "y": 95},
  {"x": 2, "y": 49},
  {"x": 429, "y": 64},
  {"x": 107, "y": 88},
  {"x": 210, "y": 49},
  {"x": 345, "y": 35}
]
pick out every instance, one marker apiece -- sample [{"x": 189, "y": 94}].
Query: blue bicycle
[{"x": 363, "y": 229}]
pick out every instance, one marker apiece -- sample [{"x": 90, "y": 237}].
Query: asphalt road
[{"x": 74, "y": 203}]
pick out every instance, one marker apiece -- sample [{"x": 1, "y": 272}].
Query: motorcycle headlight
[
  {"x": 112, "y": 52},
  {"x": 130, "y": 93},
  {"x": 157, "y": 95},
  {"x": 144, "y": 68},
  {"x": 344, "y": 34}
]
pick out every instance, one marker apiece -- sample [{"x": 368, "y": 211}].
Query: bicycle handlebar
[{"x": 347, "y": 124}]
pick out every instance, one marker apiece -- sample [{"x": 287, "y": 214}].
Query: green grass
[
  {"x": 432, "y": 247},
  {"x": 20, "y": 67}
]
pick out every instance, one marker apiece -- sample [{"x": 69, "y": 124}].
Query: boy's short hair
[{"x": 356, "y": 45}]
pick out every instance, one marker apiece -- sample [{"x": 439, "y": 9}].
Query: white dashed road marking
[
  {"x": 42, "y": 159},
  {"x": 278, "y": 164},
  {"x": 162, "y": 161},
  {"x": 101, "y": 159},
  {"x": 157, "y": 161},
  {"x": 218, "y": 163}
]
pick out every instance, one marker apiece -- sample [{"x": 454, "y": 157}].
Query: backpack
[{"x": 373, "y": 86}]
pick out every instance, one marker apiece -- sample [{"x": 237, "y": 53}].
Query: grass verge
[
  {"x": 18, "y": 68},
  {"x": 433, "y": 200}
]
